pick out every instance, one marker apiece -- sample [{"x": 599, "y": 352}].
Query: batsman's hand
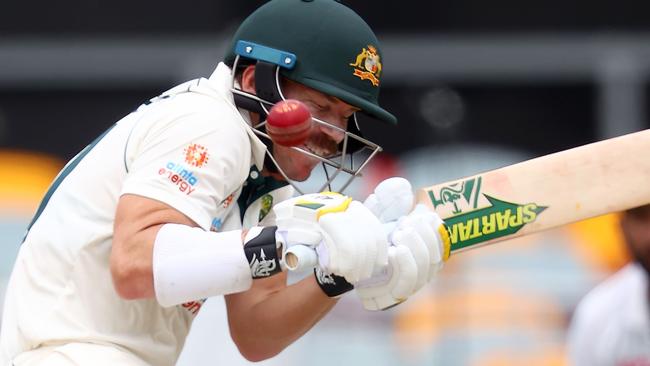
[
  {"x": 347, "y": 236},
  {"x": 418, "y": 246}
]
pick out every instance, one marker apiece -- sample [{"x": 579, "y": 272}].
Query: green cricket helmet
[{"x": 322, "y": 44}]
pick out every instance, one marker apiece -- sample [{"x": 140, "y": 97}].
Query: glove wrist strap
[
  {"x": 331, "y": 284},
  {"x": 261, "y": 252}
]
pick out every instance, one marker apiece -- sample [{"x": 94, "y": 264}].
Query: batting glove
[
  {"x": 347, "y": 236},
  {"x": 419, "y": 244}
]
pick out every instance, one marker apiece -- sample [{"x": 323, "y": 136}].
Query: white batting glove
[
  {"x": 391, "y": 199},
  {"x": 347, "y": 236},
  {"x": 419, "y": 243},
  {"x": 431, "y": 229}
]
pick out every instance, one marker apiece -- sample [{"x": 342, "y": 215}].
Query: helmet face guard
[{"x": 268, "y": 92}]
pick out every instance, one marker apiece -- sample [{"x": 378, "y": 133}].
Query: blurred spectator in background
[{"x": 611, "y": 325}]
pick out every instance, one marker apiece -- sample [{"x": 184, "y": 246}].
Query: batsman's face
[
  {"x": 323, "y": 140},
  {"x": 636, "y": 230}
]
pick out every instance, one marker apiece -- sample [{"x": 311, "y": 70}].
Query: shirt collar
[{"x": 221, "y": 81}]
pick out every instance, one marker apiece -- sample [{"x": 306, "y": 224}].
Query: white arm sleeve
[{"x": 191, "y": 264}]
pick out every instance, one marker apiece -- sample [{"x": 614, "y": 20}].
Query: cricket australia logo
[
  {"x": 267, "y": 205},
  {"x": 367, "y": 65},
  {"x": 474, "y": 217},
  {"x": 262, "y": 267}
]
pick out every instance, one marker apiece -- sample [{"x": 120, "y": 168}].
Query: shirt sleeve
[{"x": 191, "y": 163}]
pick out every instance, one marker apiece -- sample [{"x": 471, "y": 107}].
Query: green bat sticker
[{"x": 470, "y": 224}]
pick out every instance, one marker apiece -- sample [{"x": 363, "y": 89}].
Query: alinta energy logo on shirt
[
  {"x": 196, "y": 155},
  {"x": 180, "y": 176}
]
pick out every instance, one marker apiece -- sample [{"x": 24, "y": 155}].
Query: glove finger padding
[
  {"x": 355, "y": 242},
  {"x": 409, "y": 238},
  {"x": 394, "y": 284},
  {"x": 431, "y": 229},
  {"x": 392, "y": 199}
]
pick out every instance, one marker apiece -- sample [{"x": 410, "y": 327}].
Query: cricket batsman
[{"x": 172, "y": 205}]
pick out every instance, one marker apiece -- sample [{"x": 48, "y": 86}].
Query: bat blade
[{"x": 546, "y": 192}]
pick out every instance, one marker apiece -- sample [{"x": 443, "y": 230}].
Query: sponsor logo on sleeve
[
  {"x": 193, "y": 307},
  {"x": 180, "y": 176},
  {"x": 216, "y": 224},
  {"x": 228, "y": 201},
  {"x": 196, "y": 155}
]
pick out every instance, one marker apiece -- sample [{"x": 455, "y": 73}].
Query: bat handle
[{"x": 300, "y": 257}]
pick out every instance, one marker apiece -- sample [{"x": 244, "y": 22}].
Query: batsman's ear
[{"x": 248, "y": 79}]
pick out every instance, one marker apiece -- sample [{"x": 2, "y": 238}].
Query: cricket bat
[
  {"x": 543, "y": 193},
  {"x": 538, "y": 194}
]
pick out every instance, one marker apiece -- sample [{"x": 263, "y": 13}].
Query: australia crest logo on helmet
[{"x": 367, "y": 65}]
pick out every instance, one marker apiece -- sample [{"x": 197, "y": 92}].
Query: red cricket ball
[{"x": 288, "y": 123}]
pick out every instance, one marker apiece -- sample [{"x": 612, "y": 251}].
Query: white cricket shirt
[
  {"x": 189, "y": 148},
  {"x": 611, "y": 325}
]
